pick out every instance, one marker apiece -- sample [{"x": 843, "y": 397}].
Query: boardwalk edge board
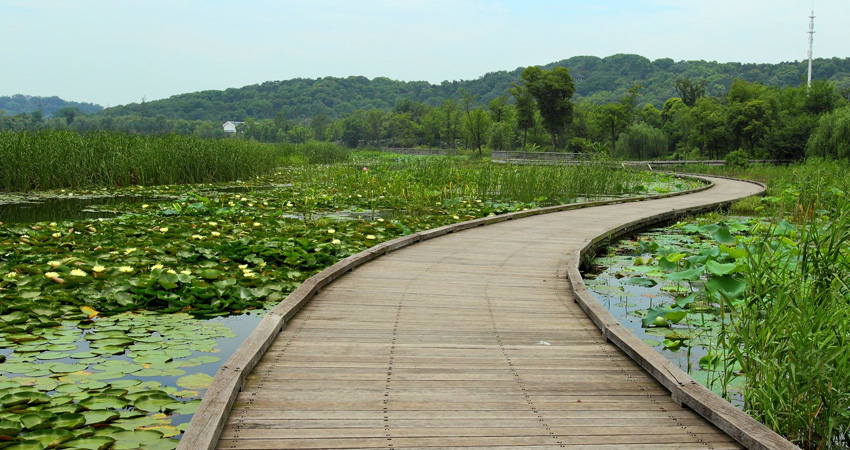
[
  {"x": 685, "y": 390},
  {"x": 208, "y": 422}
]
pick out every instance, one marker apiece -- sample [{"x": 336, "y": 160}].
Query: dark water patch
[{"x": 55, "y": 209}]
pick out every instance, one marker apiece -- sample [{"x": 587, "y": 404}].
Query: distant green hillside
[
  {"x": 599, "y": 80},
  {"x": 18, "y": 104}
]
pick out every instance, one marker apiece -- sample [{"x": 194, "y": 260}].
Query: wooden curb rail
[{"x": 208, "y": 422}]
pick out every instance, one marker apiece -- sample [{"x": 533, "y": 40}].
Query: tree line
[{"x": 539, "y": 113}]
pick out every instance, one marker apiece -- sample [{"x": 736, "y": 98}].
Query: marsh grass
[
  {"x": 417, "y": 184},
  {"x": 60, "y": 159},
  {"x": 791, "y": 335}
]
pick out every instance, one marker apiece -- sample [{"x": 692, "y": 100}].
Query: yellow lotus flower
[
  {"x": 331, "y": 231},
  {"x": 78, "y": 273},
  {"x": 186, "y": 272},
  {"x": 54, "y": 264},
  {"x": 57, "y": 235},
  {"x": 51, "y": 275},
  {"x": 248, "y": 274},
  {"x": 257, "y": 224},
  {"x": 243, "y": 266},
  {"x": 370, "y": 236},
  {"x": 11, "y": 275},
  {"x": 215, "y": 233},
  {"x": 335, "y": 242},
  {"x": 157, "y": 266},
  {"x": 129, "y": 250},
  {"x": 144, "y": 206},
  {"x": 52, "y": 224},
  {"x": 125, "y": 269},
  {"x": 455, "y": 217},
  {"x": 262, "y": 264},
  {"x": 212, "y": 224},
  {"x": 197, "y": 236},
  {"x": 164, "y": 229},
  {"x": 98, "y": 268}
]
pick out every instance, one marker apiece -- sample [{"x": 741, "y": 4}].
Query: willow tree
[
  {"x": 642, "y": 141},
  {"x": 831, "y": 138}
]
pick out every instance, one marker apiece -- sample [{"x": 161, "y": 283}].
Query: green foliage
[
  {"x": 831, "y": 138},
  {"x": 641, "y": 141},
  {"x": 552, "y": 91},
  {"x": 739, "y": 159},
  {"x": 19, "y": 104}
]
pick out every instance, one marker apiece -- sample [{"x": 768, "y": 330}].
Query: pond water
[
  {"x": 55, "y": 209},
  {"x": 628, "y": 282}
]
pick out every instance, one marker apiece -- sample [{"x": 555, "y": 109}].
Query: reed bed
[
  {"x": 53, "y": 159},
  {"x": 422, "y": 182},
  {"x": 791, "y": 336}
]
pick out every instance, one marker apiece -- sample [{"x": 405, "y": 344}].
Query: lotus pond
[
  {"x": 655, "y": 285},
  {"x": 111, "y": 327}
]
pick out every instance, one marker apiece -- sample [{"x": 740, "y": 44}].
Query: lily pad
[
  {"x": 89, "y": 443},
  {"x": 195, "y": 381},
  {"x": 49, "y": 438}
]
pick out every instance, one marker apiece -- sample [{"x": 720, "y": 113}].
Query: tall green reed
[
  {"x": 53, "y": 159},
  {"x": 791, "y": 334}
]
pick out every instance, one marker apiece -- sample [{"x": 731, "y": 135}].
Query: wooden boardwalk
[{"x": 469, "y": 340}]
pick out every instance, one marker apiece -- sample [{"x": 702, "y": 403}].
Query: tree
[
  {"x": 831, "y": 138},
  {"x": 319, "y": 125},
  {"x": 477, "y": 124},
  {"x": 374, "y": 124},
  {"x": 552, "y": 90},
  {"x": 449, "y": 112},
  {"x": 689, "y": 91},
  {"x": 524, "y": 104},
  {"x": 642, "y": 141}
]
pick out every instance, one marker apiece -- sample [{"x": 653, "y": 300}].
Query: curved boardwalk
[{"x": 469, "y": 340}]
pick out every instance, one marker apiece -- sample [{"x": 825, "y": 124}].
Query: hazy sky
[{"x": 117, "y": 51}]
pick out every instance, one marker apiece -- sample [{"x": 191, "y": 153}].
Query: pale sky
[{"x": 117, "y": 51}]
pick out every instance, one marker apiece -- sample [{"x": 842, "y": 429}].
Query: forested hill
[
  {"x": 599, "y": 80},
  {"x": 18, "y": 104}
]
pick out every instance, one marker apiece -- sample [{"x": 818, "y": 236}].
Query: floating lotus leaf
[
  {"x": 26, "y": 445},
  {"x": 186, "y": 394},
  {"x": 69, "y": 421},
  {"x": 110, "y": 375},
  {"x": 47, "y": 311},
  {"x": 61, "y": 347},
  {"x": 38, "y": 420},
  {"x": 124, "y": 384},
  {"x": 10, "y": 428},
  {"x": 15, "y": 318},
  {"x": 108, "y": 350},
  {"x": 49, "y": 438},
  {"x": 64, "y": 409},
  {"x": 104, "y": 333},
  {"x": 204, "y": 359},
  {"x": 166, "y": 430},
  {"x": 148, "y": 373},
  {"x": 67, "y": 368},
  {"x": 185, "y": 408},
  {"x": 83, "y": 355},
  {"x": 110, "y": 342},
  {"x": 23, "y": 398},
  {"x": 133, "y": 439},
  {"x": 195, "y": 381},
  {"x": 641, "y": 281},
  {"x": 104, "y": 402},
  {"x": 210, "y": 274},
  {"x": 100, "y": 416},
  {"x": 53, "y": 355},
  {"x": 153, "y": 402},
  {"x": 89, "y": 443},
  {"x": 162, "y": 444},
  {"x": 151, "y": 357}
]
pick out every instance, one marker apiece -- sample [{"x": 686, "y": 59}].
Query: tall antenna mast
[{"x": 811, "y": 40}]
